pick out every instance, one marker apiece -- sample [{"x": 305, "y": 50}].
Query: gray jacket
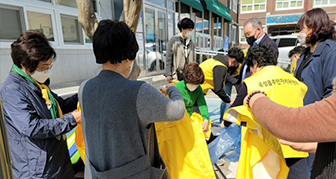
[
  {"x": 176, "y": 57},
  {"x": 118, "y": 118}
]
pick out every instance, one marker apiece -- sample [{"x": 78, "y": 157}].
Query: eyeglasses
[{"x": 45, "y": 69}]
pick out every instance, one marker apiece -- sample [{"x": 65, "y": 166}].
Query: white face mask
[
  {"x": 192, "y": 87},
  {"x": 302, "y": 38},
  {"x": 188, "y": 34},
  {"x": 41, "y": 76}
]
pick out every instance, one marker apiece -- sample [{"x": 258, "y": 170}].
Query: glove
[{"x": 227, "y": 99}]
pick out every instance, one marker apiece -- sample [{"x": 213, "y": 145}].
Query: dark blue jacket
[
  {"x": 319, "y": 71},
  {"x": 37, "y": 147}
]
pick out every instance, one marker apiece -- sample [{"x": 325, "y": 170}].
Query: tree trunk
[{"x": 88, "y": 20}]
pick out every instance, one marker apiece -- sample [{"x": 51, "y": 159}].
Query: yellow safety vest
[
  {"x": 261, "y": 153},
  {"x": 282, "y": 88},
  {"x": 207, "y": 67},
  {"x": 183, "y": 148}
]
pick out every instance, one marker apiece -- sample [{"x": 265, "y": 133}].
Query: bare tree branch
[{"x": 88, "y": 20}]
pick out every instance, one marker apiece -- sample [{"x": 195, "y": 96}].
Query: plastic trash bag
[{"x": 227, "y": 143}]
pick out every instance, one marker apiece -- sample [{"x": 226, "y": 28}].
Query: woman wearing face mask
[
  {"x": 192, "y": 92},
  {"x": 180, "y": 50},
  {"x": 34, "y": 116},
  {"x": 316, "y": 68}
]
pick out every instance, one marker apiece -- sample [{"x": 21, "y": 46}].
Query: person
[
  {"x": 192, "y": 92},
  {"x": 255, "y": 35},
  {"x": 34, "y": 117},
  {"x": 295, "y": 55},
  {"x": 119, "y": 114},
  {"x": 183, "y": 144},
  {"x": 216, "y": 71},
  {"x": 180, "y": 50},
  {"x": 316, "y": 68},
  {"x": 318, "y": 117},
  {"x": 282, "y": 88}
]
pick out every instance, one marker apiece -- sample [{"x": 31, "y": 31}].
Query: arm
[
  {"x": 203, "y": 107},
  {"x": 153, "y": 106},
  {"x": 202, "y": 104},
  {"x": 328, "y": 58},
  {"x": 242, "y": 93},
  {"x": 231, "y": 79},
  {"x": 67, "y": 105},
  {"x": 312, "y": 123},
  {"x": 219, "y": 73},
  {"x": 25, "y": 117}
]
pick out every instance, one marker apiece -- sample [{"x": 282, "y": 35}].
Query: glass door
[{"x": 156, "y": 39}]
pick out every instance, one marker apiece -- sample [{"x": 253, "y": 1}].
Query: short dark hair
[
  {"x": 263, "y": 55},
  {"x": 185, "y": 23},
  {"x": 295, "y": 50},
  {"x": 318, "y": 20},
  {"x": 31, "y": 48},
  {"x": 114, "y": 41},
  {"x": 193, "y": 73},
  {"x": 237, "y": 53}
]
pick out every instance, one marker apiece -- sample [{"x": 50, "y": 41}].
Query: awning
[
  {"x": 219, "y": 9},
  {"x": 194, "y": 3}
]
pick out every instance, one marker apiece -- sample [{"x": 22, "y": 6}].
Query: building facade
[
  {"x": 216, "y": 24},
  {"x": 280, "y": 17}
]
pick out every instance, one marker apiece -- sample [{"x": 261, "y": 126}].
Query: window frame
[
  {"x": 79, "y": 30},
  {"x": 289, "y": 3},
  {"x": 235, "y": 5},
  {"x": 50, "y": 12},
  {"x": 22, "y": 22},
  {"x": 253, "y": 11},
  {"x": 326, "y": 5}
]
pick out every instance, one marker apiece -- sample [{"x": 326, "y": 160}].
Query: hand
[
  {"x": 222, "y": 125},
  {"x": 227, "y": 99},
  {"x": 165, "y": 88},
  {"x": 205, "y": 126},
  {"x": 304, "y": 147},
  {"x": 78, "y": 116},
  {"x": 169, "y": 79}
]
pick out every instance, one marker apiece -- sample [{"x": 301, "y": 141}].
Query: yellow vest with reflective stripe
[
  {"x": 261, "y": 153},
  {"x": 282, "y": 88},
  {"x": 207, "y": 67}
]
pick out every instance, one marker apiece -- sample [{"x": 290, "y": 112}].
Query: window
[
  {"x": 206, "y": 22},
  {"x": 242, "y": 35},
  {"x": 10, "y": 23},
  {"x": 41, "y": 22},
  {"x": 287, "y": 42},
  {"x": 69, "y": 3},
  {"x": 199, "y": 22},
  {"x": 324, "y": 2},
  {"x": 286, "y": 4},
  {"x": 253, "y": 6},
  {"x": 235, "y": 5},
  {"x": 70, "y": 29},
  {"x": 234, "y": 33}
]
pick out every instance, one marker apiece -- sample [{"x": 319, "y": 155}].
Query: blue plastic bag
[{"x": 227, "y": 143}]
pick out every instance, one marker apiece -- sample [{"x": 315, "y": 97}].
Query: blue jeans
[{"x": 225, "y": 106}]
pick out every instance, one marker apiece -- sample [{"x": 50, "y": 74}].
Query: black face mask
[{"x": 251, "y": 40}]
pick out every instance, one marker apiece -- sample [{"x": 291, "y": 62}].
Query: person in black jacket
[
  {"x": 34, "y": 117},
  {"x": 217, "y": 69},
  {"x": 255, "y": 35}
]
